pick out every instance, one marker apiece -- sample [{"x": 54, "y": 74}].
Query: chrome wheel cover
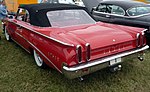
[
  {"x": 38, "y": 59},
  {"x": 7, "y": 35}
]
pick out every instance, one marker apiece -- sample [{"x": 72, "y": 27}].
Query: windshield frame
[{"x": 90, "y": 18}]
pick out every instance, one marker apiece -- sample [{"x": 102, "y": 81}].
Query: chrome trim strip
[
  {"x": 45, "y": 57},
  {"x": 137, "y": 39},
  {"x": 144, "y": 30},
  {"x": 21, "y": 36},
  {"x": 21, "y": 46},
  {"x": 103, "y": 60},
  {"x": 143, "y": 37},
  {"x": 142, "y": 40},
  {"x": 45, "y": 35},
  {"x": 110, "y": 14},
  {"x": 36, "y": 49},
  {"x": 122, "y": 15}
]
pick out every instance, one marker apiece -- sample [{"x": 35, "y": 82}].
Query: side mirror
[{"x": 93, "y": 9}]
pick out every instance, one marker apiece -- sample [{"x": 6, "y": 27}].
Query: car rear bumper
[{"x": 92, "y": 66}]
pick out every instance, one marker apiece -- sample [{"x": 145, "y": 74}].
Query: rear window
[
  {"x": 62, "y": 18},
  {"x": 136, "y": 11}
]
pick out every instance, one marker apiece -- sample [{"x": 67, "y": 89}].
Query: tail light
[
  {"x": 88, "y": 51},
  {"x": 138, "y": 40},
  {"x": 144, "y": 37},
  {"x": 79, "y": 53}
]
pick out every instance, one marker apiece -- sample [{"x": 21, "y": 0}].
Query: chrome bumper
[{"x": 92, "y": 66}]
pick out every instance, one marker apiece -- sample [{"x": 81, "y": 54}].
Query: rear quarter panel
[{"x": 53, "y": 53}]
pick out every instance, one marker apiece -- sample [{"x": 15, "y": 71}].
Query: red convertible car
[{"x": 66, "y": 37}]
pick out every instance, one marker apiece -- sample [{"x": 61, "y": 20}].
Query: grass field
[{"x": 18, "y": 73}]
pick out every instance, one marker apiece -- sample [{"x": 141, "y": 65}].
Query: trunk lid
[
  {"x": 100, "y": 36},
  {"x": 103, "y": 40}
]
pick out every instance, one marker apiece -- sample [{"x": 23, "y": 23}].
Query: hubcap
[
  {"x": 38, "y": 59},
  {"x": 7, "y": 35}
]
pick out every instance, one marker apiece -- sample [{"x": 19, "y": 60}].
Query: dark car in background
[{"x": 130, "y": 13}]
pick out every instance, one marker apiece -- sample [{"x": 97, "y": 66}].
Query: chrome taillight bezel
[
  {"x": 88, "y": 52},
  {"x": 79, "y": 53},
  {"x": 143, "y": 37},
  {"x": 138, "y": 44}
]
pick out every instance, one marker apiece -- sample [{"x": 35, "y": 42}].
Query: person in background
[
  {"x": 3, "y": 13},
  {"x": 3, "y": 10}
]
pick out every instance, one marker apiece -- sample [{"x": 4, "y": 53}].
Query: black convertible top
[
  {"x": 49, "y": 6},
  {"x": 125, "y": 4},
  {"x": 38, "y": 11}
]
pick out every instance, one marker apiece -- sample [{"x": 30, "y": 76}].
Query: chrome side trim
[
  {"x": 144, "y": 30},
  {"x": 110, "y": 14},
  {"x": 21, "y": 46},
  {"x": 36, "y": 49},
  {"x": 103, "y": 60},
  {"x": 45, "y": 35},
  {"x": 21, "y": 36},
  {"x": 123, "y": 15},
  {"x": 45, "y": 56}
]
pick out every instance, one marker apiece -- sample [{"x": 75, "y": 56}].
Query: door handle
[{"x": 107, "y": 16}]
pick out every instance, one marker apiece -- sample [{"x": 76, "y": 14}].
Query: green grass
[{"x": 18, "y": 73}]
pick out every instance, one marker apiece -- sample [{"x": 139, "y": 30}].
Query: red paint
[{"x": 104, "y": 39}]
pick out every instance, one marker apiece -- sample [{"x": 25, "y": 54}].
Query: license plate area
[{"x": 115, "y": 61}]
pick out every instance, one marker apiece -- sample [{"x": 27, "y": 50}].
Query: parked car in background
[
  {"x": 77, "y": 2},
  {"x": 66, "y": 38},
  {"x": 124, "y": 12},
  {"x": 130, "y": 13}
]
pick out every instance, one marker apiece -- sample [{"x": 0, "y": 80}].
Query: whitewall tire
[
  {"x": 39, "y": 61},
  {"x": 7, "y": 36}
]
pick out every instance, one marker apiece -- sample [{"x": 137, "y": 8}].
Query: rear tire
[
  {"x": 39, "y": 61},
  {"x": 7, "y": 36}
]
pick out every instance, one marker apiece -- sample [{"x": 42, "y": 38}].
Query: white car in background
[{"x": 80, "y": 3}]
